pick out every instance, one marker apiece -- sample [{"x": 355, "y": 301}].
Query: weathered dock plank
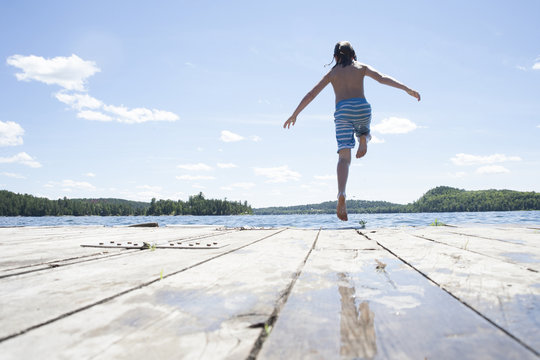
[
  {"x": 32, "y": 299},
  {"x": 512, "y": 234},
  {"x": 39, "y": 233},
  {"x": 212, "y": 310},
  {"x": 506, "y": 294},
  {"x": 345, "y": 305},
  {"x": 515, "y": 252},
  {"x": 38, "y": 249}
]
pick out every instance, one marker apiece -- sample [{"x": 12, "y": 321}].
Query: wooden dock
[{"x": 204, "y": 292}]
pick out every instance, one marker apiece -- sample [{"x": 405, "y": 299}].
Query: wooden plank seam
[
  {"x": 280, "y": 303},
  {"x": 475, "y": 252},
  {"x": 107, "y": 299},
  {"x": 485, "y": 237},
  {"x": 54, "y": 263},
  {"x": 454, "y": 296}
]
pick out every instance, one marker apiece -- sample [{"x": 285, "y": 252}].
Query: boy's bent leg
[
  {"x": 342, "y": 175},
  {"x": 362, "y": 145}
]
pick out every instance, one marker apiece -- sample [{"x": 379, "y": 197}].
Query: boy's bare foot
[
  {"x": 342, "y": 208},
  {"x": 362, "y": 146}
]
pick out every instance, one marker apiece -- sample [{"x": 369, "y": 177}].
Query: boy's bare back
[{"x": 348, "y": 81}]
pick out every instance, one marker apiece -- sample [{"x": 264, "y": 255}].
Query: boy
[{"x": 353, "y": 112}]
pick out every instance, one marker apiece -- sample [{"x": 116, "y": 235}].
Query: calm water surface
[{"x": 326, "y": 221}]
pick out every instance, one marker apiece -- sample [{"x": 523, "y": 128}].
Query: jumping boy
[{"x": 353, "y": 112}]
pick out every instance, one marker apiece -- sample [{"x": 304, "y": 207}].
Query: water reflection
[{"x": 357, "y": 328}]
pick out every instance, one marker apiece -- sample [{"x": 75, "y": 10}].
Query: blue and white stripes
[{"x": 352, "y": 116}]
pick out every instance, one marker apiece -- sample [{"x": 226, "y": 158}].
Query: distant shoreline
[
  {"x": 437, "y": 200},
  {"x": 265, "y": 214}
]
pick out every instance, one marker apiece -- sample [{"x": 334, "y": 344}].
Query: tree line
[
  {"x": 12, "y": 204},
  {"x": 198, "y": 205},
  {"x": 439, "y": 199},
  {"x": 329, "y": 207},
  {"x": 448, "y": 199}
]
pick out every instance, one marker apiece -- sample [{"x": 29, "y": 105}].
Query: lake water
[{"x": 326, "y": 221}]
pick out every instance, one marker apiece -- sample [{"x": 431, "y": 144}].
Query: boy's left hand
[{"x": 289, "y": 122}]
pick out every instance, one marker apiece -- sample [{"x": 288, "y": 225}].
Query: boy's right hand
[
  {"x": 414, "y": 94},
  {"x": 290, "y": 121}
]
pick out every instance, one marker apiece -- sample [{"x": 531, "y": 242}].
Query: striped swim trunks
[{"x": 352, "y": 116}]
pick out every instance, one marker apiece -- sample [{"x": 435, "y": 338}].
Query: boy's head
[{"x": 344, "y": 53}]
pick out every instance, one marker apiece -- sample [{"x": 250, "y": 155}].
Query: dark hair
[{"x": 345, "y": 53}]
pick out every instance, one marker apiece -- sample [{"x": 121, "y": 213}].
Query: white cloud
[
  {"x": 150, "y": 188},
  {"x": 492, "y": 169},
  {"x": 459, "y": 174},
  {"x": 394, "y": 125},
  {"x": 227, "y": 136},
  {"x": 195, "y": 167},
  {"x": 93, "y": 115},
  {"x": 536, "y": 65},
  {"x": 111, "y": 112},
  {"x": 139, "y": 115},
  {"x": 149, "y": 191},
  {"x": 78, "y": 101},
  {"x": 90, "y": 174},
  {"x": 278, "y": 174},
  {"x": 13, "y": 175},
  {"x": 468, "y": 159},
  {"x": 71, "y": 74},
  {"x": 325, "y": 177},
  {"x": 68, "y": 72},
  {"x": 522, "y": 68},
  {"x": 83, "y": 102},
  {"x": 21, "y": 158},
  {"x": 70, "y": 185},
  {"x": 376, "y": 140},
  {"x": 77, "y": 185},
  {"x": 10, "y": 133},
  {"x": 195, "y": 177},
  {"x": 227, "y": 165},
  {"x": 239, "y": 185},
  {"x": 255, "y": 138}
]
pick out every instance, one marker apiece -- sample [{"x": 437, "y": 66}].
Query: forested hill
[
  {"x": 448, "y": 199},
  {"x": 329, "y": 207},
  {"x": 439, "y": 199},
  {"x": 12, "y": 204}
]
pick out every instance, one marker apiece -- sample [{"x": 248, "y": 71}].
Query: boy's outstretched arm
[
  {"x": 306, "y": 100},
  {"x": 387, "y": 80}
]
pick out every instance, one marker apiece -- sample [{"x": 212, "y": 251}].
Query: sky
[{"x": 166, "y": 99}]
